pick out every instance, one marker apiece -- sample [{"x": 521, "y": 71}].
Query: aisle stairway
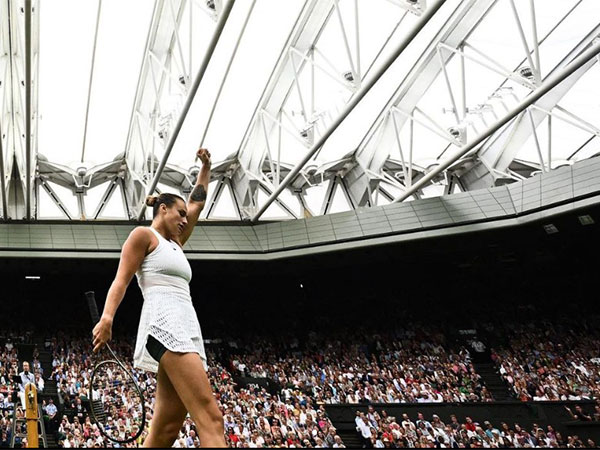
[
  {"x": 492, "y": 380},
  {"x": 50, "y": 388},
  {"x": 351, "y": 438}
]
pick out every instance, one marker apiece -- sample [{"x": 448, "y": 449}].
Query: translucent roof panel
[
  {"x": 501, "y": 65},
  {"x": 67, "y": 36},
  {"x": 114, "y": 78},
  {"x": 252, "y": 64},
  {"x": 65, "y": 62},
  {"x": 492, "y": 59},
  {"x": 119, "y": 53}
]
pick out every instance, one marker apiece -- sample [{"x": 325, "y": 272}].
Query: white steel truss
[
  {"x": 163, "y": 85},
  {"x": 19, "y": 68},
  {"x": 165, "y": 80},
  {"x": 456, "y": 119},
  {"x": 323, "y": 53},
  {"x": 457, "y": 90}
]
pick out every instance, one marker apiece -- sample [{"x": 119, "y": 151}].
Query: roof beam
[
  {"x": 226, "y": 74},
  {"x": 2, "y": 178},
  {"x": 106, "y": 197},
  {"x": 467, "y": 17},
  {"x": 153, "y": 46},
  {"x": 89, "y": 96},
  {"x": 550, "y": 83},
  {"x": 15, "y": 112},
  {"x": 307, "y": 29},
  {"x": 191, "y": 94},
  {"x": 429, "y": 13},
  {"x": 28, "y": 168},
  {"x": 423, "y": 74},
  {"x": 55, "y": 198},
  {"x": 249, "y": 157},
  {"x": 5, "y": 101},
  {"x": 502, "y": 147}
]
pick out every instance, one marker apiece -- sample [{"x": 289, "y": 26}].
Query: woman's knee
[
  {"x": 211, "y": 416},
  {"x": 206, "y": 400},
  {"x": 170, "y": 431},
  {"x": 215, "y": 415}
]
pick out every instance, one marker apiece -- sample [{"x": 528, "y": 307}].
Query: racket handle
[{"x": 91, "y": 299}]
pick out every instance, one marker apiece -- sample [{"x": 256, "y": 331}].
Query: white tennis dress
[{"x": 168, "y": 313}]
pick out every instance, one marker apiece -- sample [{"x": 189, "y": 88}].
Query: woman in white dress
[{"x": 169, "y": 341}]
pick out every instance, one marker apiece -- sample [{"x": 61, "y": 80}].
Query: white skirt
[{"x": 168, "y": 316}]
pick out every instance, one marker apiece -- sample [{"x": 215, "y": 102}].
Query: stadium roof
[{"x": 308, "y": 106}]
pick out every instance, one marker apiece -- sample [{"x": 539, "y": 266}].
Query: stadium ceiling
[{"x": 308, "y": 106}]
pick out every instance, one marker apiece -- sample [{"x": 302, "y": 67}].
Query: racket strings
[{"x": 117, "y": 404}]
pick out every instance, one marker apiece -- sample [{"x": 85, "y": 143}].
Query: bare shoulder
[
  {"x": 142, "y": 237},
  {"x": 140, "y": 233}
]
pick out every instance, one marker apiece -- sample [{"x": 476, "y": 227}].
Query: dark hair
[{"x": 166, "y": 198}]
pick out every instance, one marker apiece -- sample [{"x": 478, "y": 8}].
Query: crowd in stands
[
  {"x": 380, "y": 430},
  {"x": 412, "y": 365},
  {"x": 72, "y": 367},
  {"x": 417, "y": 363},
  {"x": 252, "y": 416},
  {"x": 256, "y": 418},
  {"x": 8, "y": 368},
  {"x": 551, "y": 361}
]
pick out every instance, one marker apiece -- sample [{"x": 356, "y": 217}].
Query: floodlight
[
  {"x": 455, "y": 132},
  {"x": 526, "y": 72},
  {"x": 586, "y": 220}
]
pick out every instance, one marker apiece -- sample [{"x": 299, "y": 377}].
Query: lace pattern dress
[{"x": 168, "y": 313}]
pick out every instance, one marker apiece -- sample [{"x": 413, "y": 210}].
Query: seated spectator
[
  {"x": 550, "y": 362},
  {"x": 457, "y": 434}
]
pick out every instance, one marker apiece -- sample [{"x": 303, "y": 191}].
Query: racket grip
[{"x": 91, "y": 299}]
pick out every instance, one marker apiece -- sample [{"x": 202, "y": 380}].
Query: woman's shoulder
[
  {"x": 141, "y": 232},
  {"x": 143, "y": 237}
]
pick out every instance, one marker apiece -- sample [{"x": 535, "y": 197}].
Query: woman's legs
[
  {"x": 169, "y": 414},
  {"x": 188, "y": 377}
]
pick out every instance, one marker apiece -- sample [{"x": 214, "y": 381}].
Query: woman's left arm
[{"x": 198, "y": 195}]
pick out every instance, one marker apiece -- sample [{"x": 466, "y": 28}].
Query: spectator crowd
[
  {"x": 380, "y": 430},
  {"x": 408, "y": 366},
  {"x": 551, "y": 361},
  {"x": 415, "y": 364},
  {"x": 252, "y": 416},
  {"x": 8, "y": 368}
]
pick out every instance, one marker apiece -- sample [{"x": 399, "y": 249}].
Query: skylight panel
[
  {"x": 65, "y": 60},
  {"x": 122, "y": 35}
]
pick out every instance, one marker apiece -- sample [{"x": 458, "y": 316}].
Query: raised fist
[{"x": 203, "y": 155}]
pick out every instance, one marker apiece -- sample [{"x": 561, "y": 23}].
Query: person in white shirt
[
  {"x": 363, "y": 428},
  {"x": 539, "y": 396},
  {"x": 39, "y": 382},
  {"x": 338, "y": 442},
  {"x": 26, "y": 378},
  {"x": 352, "y": 398}
]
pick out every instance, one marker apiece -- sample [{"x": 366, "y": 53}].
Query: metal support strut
[
  {"x": 550, "y": 83},
  {"x": 188, "y": 102},
  {"x": 431, "y": 10}
]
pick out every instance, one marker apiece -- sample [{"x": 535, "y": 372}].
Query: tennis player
[{"x": 169, "y": 341}]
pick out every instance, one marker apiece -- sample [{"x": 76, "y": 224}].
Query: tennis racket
[{"x": 117, "y": 402}]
